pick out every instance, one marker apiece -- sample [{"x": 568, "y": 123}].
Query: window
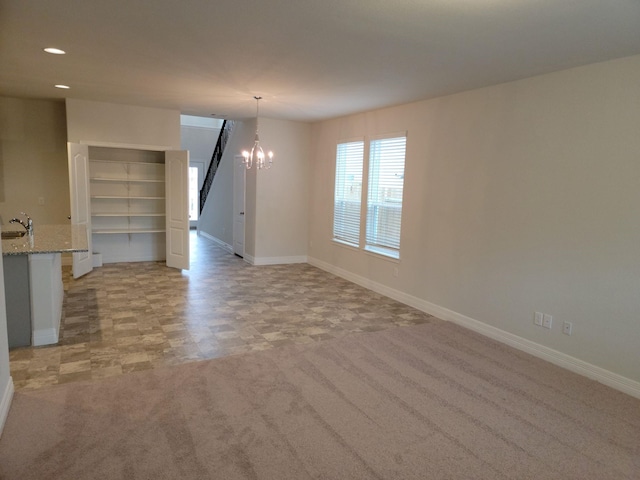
[
  {"x": 348, "y": 192},
  {"x": 384, "y": 189},
  {"x": 384, "y": 196}
]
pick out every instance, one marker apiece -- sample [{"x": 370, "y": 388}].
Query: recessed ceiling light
[
  {"x": 62, "y": 86},
  {"x": 55, "y": 51}
]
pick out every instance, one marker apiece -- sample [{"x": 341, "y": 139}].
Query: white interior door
[
  {"x": 239, "y": 179},
  {"x": 177, "y": 208},
  {"x": 80, "y": 203}
]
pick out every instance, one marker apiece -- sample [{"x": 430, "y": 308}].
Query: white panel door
[
  {"x": 239, "y": 179},
  {"x": 177, "y": 208},
  {"x": 80, "y": 202}
]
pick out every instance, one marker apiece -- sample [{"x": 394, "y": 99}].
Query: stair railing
[{"x": 225, "y": 132}]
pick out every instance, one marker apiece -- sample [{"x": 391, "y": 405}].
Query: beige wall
[
  {"x": 276, "y": 220},
  {"x": 520, "y": 197},
  {"x": 33, "y": 165},
  {"x": 33, "y": 161},
  {"x": 281, "y": 196},
  {"x": 100, "y": 123}
]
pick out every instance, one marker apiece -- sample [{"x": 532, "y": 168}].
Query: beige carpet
[{"x": 432, "y": 401}]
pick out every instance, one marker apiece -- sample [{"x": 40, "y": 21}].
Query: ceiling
[{"x": 308, "y": 59}]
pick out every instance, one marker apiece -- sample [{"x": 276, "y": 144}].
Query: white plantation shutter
[
  {"x": 348, "y": 192},
  {"x": 384, "y": 198}
]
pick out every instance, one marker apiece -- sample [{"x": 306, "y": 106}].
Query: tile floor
[{"x": 135, "y": 316}]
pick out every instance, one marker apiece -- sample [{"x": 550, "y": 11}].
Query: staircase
[{"x": 225, "y": 132}]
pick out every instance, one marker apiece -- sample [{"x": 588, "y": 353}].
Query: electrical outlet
[
  {"x": 547, "y": 320},
  {"x": 537, "y": 318},
  {"x": 40, "y": 200},
  {"x": 567, "y": 327},
  {"x": 395, "y": 271}
]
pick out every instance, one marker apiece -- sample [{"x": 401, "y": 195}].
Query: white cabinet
[{"x": 128, "y": 205}]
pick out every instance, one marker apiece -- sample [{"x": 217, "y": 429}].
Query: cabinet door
[
  {"x": 177, "y": 208},
  {"x": 80, "y": 203}
]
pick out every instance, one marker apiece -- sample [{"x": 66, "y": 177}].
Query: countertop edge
[{"x": 48, "y": 239}]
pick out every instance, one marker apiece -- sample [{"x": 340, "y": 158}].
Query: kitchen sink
[{"x": 13, "y": 234}]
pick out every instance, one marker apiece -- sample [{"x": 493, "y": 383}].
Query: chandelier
[{"x": 257, "y": 155}]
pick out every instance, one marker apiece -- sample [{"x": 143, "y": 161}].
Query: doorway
[
  {"x": 239, "y": 183},
  {"x": 196, "y": 179}
]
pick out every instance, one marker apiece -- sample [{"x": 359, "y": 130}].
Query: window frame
[
  {"x": 386, "y": 239},
  {"x": 354, "y": 240},
  {"x": 387, "y": 252}
]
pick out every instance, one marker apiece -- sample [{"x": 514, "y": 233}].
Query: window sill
[
  {"x": 391, "y": 255},
  {"x": 378, "y": 252},
  {"x": 350, "y": 246}
]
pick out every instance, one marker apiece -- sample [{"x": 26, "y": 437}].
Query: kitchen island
[{"x": 33, "y": 282}]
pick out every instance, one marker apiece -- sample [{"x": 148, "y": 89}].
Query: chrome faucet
[{"x": 27, "y": 226}]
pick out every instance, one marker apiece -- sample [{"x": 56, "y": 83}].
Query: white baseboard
[
  {"x": 256, "y": 260},
  {"x": 217, "y": 241},
  {"x": 613, "y": 380},
  {"x": 45, "y": 336},
  {"x": 5, "y": 403},
  {"x": 106, "y": 258},
  {"x": 276, "y": 260}
]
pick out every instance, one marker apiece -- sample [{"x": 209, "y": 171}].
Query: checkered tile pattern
[{"x": 126, "y": 317}]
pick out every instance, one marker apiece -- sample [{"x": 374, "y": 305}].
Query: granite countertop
[{"x": 49, "y": 239}]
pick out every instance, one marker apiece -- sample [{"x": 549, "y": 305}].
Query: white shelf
[
  {"x": 120, "y": 197},
  {"x": 112, "y": 231},
  {"x": 146, "y": 164},
  {"x": 128, "y": 214},
  {"x": 126, "y": 180},
  {"x": 127, "y": 203}
]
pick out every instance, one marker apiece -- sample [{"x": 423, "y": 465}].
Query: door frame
[
  {"x": 239, "y": 204},
  {"x": 199, "y": 164}
]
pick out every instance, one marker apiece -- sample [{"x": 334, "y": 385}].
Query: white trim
[
  {"x": 131, "y": 146},
  {"x": 5, "y": 403},
  {"x": 275, "y": 260},
  {"x": 96, "y": 259},
  {"x": 385, "y": 136},
  {"x": 361, "y": 138},
  {"x": 385, "y": 253},
  {"x": 613, "y": 380},
  {"x": 279, "y": 260},
  {"x": 342, "y": 243},
  {"x": 108, "y": 258},
  {"x": 47, "y": 296},
  {"x": 225, "y": 246},
  {"x": 45, "y": 336}
]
